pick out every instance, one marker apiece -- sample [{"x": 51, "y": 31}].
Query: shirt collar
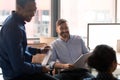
[{"x": 71, "y": 37}]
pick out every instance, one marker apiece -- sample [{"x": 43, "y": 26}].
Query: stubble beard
[{"x": 65, "y": 35}]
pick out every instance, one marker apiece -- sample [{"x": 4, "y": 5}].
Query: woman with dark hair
[{"x": 103, "y": 59}]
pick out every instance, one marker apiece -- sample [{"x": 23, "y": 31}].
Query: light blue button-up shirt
[{"x": 67, "y": 52}]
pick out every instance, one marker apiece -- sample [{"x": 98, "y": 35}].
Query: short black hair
[{"x": 22, "y": 3}]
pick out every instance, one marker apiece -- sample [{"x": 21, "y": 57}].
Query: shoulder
[
  {"x": 10, "y": 21},
  {"x": 76, "y": 37},
  {"x": 56, "y": 42}
]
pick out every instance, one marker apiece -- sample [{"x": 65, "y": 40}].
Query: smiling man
[
  {"x": 15, "y": 56},
  {"x": 65, "y": 51}
]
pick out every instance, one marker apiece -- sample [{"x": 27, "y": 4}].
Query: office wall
[{"x": 81, "y": 12}]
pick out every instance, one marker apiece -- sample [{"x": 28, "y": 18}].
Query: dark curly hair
[{"x": 102, "y": 58}]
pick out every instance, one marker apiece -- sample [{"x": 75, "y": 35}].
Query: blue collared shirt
[
  {"x": 67, "y": 52},
  {"x": 14, "y": 60}
]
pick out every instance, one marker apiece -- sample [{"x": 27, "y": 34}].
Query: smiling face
[
  {"x": 63, "y": 31},
  {"x": 28, "y": 11}
]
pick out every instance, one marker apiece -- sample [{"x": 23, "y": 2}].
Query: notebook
[
  {"x": 45, "y": 60},
  {"x": 81, "y": 61}
]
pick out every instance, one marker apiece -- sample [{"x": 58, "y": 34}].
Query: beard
[{"x": 65, "y": 34}]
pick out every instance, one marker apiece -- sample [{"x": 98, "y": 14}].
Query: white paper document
[
  {"x": 81, "y": 61},
  {"x": 45, "y": 60}
]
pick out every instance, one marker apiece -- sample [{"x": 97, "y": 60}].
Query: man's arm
[
  {"x": 15, "y": 52},
  {"x": 63, "y": 66},
  {"x": 84, "y": 48},
  {"x": 34, "y": 51},
  {"x": 53, "y": 63}
]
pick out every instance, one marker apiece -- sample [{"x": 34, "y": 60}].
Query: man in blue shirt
[
  {"x": 15, "y": 56},
  {"x": 65, "y": 51}
]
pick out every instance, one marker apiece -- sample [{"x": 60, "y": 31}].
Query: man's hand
[
  {"x": 45, "y": 69},
  {"x": 46, "y": 49},
  {"x": 67, "y": 66}
]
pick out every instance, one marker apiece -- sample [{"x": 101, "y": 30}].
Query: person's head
[
  {"x": 26, "y": 9},
  {"x": 103, "y": 59},
  {"x": 62, "y": 29}
]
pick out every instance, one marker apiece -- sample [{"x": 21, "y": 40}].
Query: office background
[{"x": 78, "y": 13}]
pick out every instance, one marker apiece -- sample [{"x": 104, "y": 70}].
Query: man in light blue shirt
[{"x": 65, "y": 51}]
